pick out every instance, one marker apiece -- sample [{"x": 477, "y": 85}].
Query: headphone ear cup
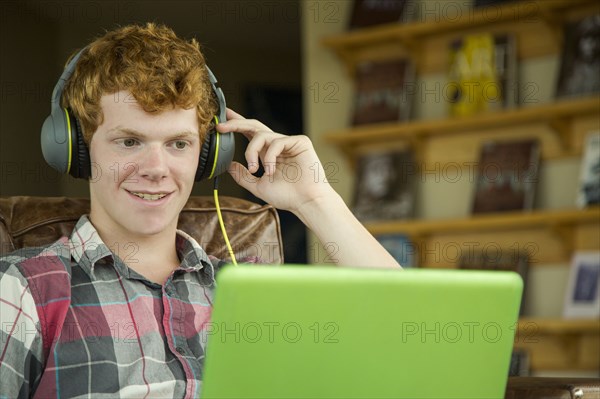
[
  {"x": 80, "y": 158},
  {"x": 57, "y": 135},
  {"x": 207, "y": 156},
  {"x": 226, "y": 151},
  {"x": 218, "y": 149},
  {"x": 55, "y": 140}
]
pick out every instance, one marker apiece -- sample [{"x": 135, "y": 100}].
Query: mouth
[{"x": 150, "y": 197}]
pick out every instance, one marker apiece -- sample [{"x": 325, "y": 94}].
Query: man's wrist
[{"x": 318, "y": 210}]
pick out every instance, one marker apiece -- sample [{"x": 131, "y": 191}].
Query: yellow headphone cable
[{"x": 220, "y": 216}]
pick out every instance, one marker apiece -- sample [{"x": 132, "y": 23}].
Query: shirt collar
[
  {"x": 192, "y": 256},
  {"x": 87, "y": 248}
]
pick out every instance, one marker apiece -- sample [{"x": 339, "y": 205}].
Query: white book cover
[{"x": 589, "y": 181}]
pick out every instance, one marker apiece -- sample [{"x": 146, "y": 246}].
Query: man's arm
[
  {"x": 291, "y": 165},
  {"x": 21, "y": 349}
]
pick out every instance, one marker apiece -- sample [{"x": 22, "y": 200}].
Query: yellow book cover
[{"x": 481, "y": 74}]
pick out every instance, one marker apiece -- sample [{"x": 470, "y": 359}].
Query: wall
[{"x": 26, "y": 82}]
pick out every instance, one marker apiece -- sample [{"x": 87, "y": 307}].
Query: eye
[
  {"x": 180, "y": 144},
  {"x": 129, "y": 142}
]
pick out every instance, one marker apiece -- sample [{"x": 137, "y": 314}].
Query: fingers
[
  {"x": 253, "y": 150},
  {"x": 243, "y": 177},
  {"x": 269, "y": 147},
  {"x": 263, "y": 142},
  {"x": 231, "y": 114},
  {"x": 276, "y": 147},
  {"x": 248, "y": 127},
  {"x": 237, "y": 123}
]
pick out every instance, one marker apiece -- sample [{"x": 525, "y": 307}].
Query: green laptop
[{"x": 329, "y": 332}]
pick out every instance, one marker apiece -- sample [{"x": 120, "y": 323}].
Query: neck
[{"x": 153, "y": 256}]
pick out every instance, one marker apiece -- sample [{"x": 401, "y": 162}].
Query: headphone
[{"x": 65, "y": 150}]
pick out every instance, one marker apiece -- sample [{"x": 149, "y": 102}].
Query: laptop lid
[{"x": 330, "y": 332}]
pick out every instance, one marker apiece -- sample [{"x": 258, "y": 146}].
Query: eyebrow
[{"x": 137, "y": 134}]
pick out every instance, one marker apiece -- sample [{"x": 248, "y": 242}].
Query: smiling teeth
[{"x": 149, "y": 197}]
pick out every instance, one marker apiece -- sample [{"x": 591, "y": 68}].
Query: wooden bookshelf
[
  {"x": 534, "y": 23},
  {"x": 548, "y": 237},
  {"x": 557, "y": 117},
  {"x": 546, "y": 113},
  {"x": 529, "y": 327},
  {"x": 458, "y": 21},
  {"x": 560, "y": 344},
  {"x": 492, "y": 222},
  {"x": 553, "y": 235}
]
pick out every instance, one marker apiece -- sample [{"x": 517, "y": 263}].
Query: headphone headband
[
  {"x": 219, "y": 93},
  {"x": 64, "y": 148},
  {"x": 62, "y": 81}
]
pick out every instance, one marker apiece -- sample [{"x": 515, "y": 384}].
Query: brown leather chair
[
  {"x": 253, "y": 229},
  {"x": 552, "y": 388}
]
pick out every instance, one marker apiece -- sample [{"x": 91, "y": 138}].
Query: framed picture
[{"x": 582, "y": 299}]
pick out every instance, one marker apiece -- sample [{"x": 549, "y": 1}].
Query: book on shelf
[
  {"x": 487, "y": 3},
  {"x": 383, "y": 91},
  {"x": 376, "y": 12},
  {"x": 589, "y": 181},
  {"x": 580, "y": 62},
  {"x": 482, "y": 74},
  {"x": 400, "y": 247},
  {"x": 499, "y": 259},
  {"x": 385, "y": 186},
  {"x": 582, "y": 297},
  {"x": 507, "y": 175}
]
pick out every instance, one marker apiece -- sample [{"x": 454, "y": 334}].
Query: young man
[{"x": 76, "y": 319}]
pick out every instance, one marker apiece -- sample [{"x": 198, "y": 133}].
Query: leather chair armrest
[
  {"x": 552, "y": 388},
  {"x": 253, "y": 229}
]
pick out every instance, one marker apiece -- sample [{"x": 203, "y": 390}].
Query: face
[{"x": 143, "y": 167}]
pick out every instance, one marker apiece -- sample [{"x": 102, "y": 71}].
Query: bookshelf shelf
[
  {"x": 557, "y": 116},
  {"x": 532, "y": 22},
  {"x": 558, "y": 344},
  {"x": 493, "y": 222},
  {"x": 557, "y": 326}
]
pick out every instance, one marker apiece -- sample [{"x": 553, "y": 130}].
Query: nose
[{"x": 154, "y": 163}]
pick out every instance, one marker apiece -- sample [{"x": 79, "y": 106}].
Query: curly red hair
[{"x": 159, "y": 69}]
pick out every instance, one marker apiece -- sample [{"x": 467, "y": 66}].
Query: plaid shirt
[{"x": 76, "y": 321}]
